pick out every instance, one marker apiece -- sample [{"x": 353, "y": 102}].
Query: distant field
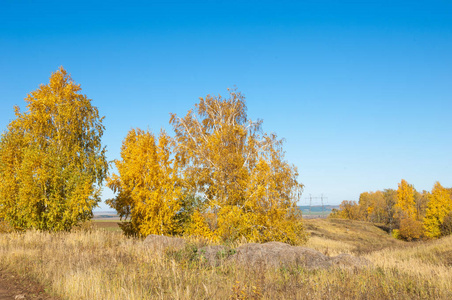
[
  {"x": 317, "y": 211},
  {"x": 106, "y": 224}
]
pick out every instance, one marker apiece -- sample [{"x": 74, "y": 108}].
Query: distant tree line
[{"x": 407, "y": 213}]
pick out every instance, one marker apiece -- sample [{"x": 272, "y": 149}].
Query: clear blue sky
[{"x": 360, "y": 90}]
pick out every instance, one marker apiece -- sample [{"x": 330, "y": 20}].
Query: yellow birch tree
[
  {"x": 248, "y": 189},
  {"x": 410, "y": 227},
  {"x": 439, "y": 206},
  {"x": 405, "y": 200},
  {"x": 52, "y": 163},
  {"x": 148, "y": 187}
]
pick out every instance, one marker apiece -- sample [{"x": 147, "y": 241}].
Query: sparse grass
[{"x": 100, "y": 264}]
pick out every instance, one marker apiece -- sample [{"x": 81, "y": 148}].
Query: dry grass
[
  {"x": 335, "y": 236},
  {"x": 100, "y": 264},
  {"x": 431, "y": 261}
]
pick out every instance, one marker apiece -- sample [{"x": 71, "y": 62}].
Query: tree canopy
[
  {"x": 147, "y": 187},
  {"x": 409, "y": 214},
  {"x": 226, "y": 173},
  {"x": 52, "y": 162},
  {"x": 439, "y": 206}
]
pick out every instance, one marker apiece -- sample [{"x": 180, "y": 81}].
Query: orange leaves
[{"x": 410, "y": 229}]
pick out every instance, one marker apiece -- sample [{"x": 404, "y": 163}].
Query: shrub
[{"x": 410, "y": 229}]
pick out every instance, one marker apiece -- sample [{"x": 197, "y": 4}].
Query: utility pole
[
  {"x": 322, "y": 202},
  {"x": 323, "y": 207},
  {"x": 310, "y": 203}
]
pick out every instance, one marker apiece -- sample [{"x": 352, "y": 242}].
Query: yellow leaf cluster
[{"x": 199, "y": 226}]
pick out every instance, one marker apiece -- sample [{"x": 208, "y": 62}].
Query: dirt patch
[{"x": 20, "y": 287}]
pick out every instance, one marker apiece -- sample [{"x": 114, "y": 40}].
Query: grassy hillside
[
  {"x": 336, "y": 236},
  {"x": 101, "y": 264}
]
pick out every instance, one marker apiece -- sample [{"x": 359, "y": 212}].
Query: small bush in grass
[{"x": 410, "y": 229}]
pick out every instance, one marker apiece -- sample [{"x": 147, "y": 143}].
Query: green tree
[{"x": 52, "y": 163}]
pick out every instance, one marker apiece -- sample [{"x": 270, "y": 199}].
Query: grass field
[
  {"x": 100, "y": 263},
  {"x": 106, "y": 224}
]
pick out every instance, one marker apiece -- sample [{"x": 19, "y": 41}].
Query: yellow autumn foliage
[
  {"x": 220, "y": 178},
  {"x": 148, "y": 188},
  {"x": 348, "y": 210},
  {"x": 199, "y": 226},
  {"x": 410, "y": 215},
  {"x": 52, "y": 163},
  {"x": 247, "y": 187},
  {"x": 405, "y": 201},
  {"x": 372, "y": 206},
  {"x": 439, "y": 206}
]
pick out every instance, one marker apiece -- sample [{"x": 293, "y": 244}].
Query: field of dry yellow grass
[{"x": 103, "y": 264}]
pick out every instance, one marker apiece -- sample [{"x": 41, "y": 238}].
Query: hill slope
[{"x": 334, "y": 236}]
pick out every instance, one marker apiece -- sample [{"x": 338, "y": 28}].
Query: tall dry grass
[
  {"x": 100, "y": 264},
  {"x": 430, "y": 261}
]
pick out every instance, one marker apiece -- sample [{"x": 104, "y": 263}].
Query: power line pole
[
  {"x": 322, "y": 202},
  {"x": 310, "y": 203}
]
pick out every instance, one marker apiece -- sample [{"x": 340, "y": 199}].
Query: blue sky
[{"x": 360, "y": 90}]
